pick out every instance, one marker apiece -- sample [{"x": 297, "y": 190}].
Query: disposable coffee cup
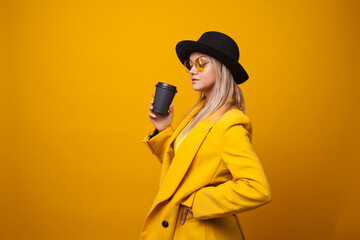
[{"x": 164, "y": 95}]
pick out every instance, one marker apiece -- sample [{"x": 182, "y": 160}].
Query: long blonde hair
[{"x": 226, "y": 95}]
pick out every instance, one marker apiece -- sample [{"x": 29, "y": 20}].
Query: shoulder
[
  {"x": 235, "y": 115},
  {"x": 234, "y": 118}
]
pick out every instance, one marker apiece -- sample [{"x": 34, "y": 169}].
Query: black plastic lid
[{"x": 167, "y": 86}]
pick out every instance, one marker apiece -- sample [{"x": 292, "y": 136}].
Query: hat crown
[{"x": 222, "y": 43}]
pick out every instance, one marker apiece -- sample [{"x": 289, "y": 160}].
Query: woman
[{"x": 209, "y": 169}]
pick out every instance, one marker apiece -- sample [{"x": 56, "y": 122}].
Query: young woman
[{"x": 210, "y": 171}]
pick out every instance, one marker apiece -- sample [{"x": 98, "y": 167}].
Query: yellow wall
[{"x": 76, "y": 84}]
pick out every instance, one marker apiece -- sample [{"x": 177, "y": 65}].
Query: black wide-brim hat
[{"x": 219, "y": 46}]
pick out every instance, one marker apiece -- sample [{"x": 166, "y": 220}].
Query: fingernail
[{"x": 182, "y": 223}]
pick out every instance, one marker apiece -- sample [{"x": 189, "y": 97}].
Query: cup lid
[{"x": 167, "y": 86}]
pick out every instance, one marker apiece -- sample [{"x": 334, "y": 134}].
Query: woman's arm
[
  {"x": 158, "y": 142},
  {"x": 247, "y": 190}
]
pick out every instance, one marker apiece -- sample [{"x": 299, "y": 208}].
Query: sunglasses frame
[{"x": 197, "y": 65}]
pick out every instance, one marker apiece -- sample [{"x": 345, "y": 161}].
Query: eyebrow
[{"x": 197, "y": 58}]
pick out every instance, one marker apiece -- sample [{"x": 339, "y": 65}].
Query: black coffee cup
[{"x": 164, "y": 95}]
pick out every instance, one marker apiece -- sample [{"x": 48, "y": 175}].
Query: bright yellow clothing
[
  {"x": 215, "y": 172},
  {"x": 178, "y": 140}
]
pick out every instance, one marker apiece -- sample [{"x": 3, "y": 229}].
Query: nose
[{"x": 193, "y": 70}]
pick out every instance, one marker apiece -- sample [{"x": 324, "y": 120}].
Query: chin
[{"x": 196, "y": 89}]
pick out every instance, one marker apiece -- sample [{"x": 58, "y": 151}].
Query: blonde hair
[{"x": 225, "y": 95}]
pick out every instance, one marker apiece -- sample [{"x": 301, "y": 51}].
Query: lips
[{"x": 194, "y": 79}]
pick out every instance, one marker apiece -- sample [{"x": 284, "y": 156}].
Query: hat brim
[{"x": 185, "y": 48}]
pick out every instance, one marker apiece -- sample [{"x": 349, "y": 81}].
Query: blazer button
[{"x": 165, "y": 224}]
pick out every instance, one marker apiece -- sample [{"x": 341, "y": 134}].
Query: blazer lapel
[
  {"x": 186, "y": 120},
  {"x": 169, "y": 152},
  {"x": 178, "y": 166}
]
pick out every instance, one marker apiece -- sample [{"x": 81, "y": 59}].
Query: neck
[{"x": 207, "y": 94}]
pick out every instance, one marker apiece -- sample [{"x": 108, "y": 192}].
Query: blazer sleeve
[
  {"x": 157, "y": 142},
  {"x": 247, "y": 190}
]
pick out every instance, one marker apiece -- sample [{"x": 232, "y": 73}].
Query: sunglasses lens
[
  {"x": 200, "y": 64},
  {"x": 187, "y": 65}
]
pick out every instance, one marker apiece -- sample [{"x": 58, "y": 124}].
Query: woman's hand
[
  {"x": 161, "y": 122},
  {"x": 185, "y": 210}
]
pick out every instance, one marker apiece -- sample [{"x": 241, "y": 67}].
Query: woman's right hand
[{"x": 161, "y": 122}]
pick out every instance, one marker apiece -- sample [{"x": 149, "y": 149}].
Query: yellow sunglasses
[{"x": 199, "y": 64}]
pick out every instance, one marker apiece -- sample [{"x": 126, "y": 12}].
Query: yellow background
[{"x": 76, "y": 84}]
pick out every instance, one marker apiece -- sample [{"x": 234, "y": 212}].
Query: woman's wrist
[{"x": 160, "y": 130}]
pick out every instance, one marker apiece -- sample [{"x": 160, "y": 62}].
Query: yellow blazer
[{"x": 215, "y": 171}]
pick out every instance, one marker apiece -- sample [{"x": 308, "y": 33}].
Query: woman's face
[{"x": 202, "y": 81}]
